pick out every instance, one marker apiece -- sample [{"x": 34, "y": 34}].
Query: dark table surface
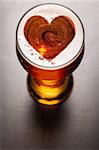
[{"x": 25, "y": 125}]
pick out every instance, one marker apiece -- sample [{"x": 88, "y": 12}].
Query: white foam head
[{"x": 50, "y": 11}]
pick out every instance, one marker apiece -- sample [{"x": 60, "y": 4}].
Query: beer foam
[{"x": 49, "y": 12}]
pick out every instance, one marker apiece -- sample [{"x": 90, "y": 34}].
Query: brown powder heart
[{"x": 49, "y": 39}]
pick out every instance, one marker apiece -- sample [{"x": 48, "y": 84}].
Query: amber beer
[{"x": 49, "y": 81}]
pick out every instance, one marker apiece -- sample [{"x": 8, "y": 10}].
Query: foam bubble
[{"x": 50, "y": 11}]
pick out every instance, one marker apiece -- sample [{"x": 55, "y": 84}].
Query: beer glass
[{"x": 50, "y": 81}]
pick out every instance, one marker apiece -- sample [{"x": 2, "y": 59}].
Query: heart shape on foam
[{"x": 49, "y": 39}]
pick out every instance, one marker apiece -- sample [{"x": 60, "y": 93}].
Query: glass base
[{"x": 49, "y": 92}]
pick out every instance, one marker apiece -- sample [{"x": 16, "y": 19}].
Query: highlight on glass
[{"x": 50, "y": 46}]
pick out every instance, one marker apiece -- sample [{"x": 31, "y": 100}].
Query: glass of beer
[{"x": 50, "y": 46}]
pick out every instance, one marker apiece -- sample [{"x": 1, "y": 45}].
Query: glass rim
[{"x": 48, "y": 67}]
